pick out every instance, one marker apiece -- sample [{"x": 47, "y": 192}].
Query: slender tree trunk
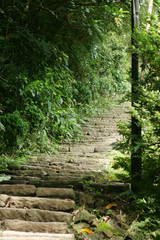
[
  {"x": 150, "y": 8},
  {"x": 136, "y": 161}
]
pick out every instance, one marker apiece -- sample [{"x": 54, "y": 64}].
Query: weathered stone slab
[
  {"x": 102, "y": 149},
  {"x": 18, "y": 189},
  {"x": 59, "y": 181},
  {"x": 104, "y": 134},
  {"x": 82, "y": 149},
  {"x": 21, "y": 178},
  {"x": 29, "y": 226},
  {"x": 35, "y": 172},
  {"x": 56, "y": 237},
  {"x": 15, "y": 235},
  {"x": 36, "y": 238},
  {"x": 15, "y": 182},
  {"x": 3, "y": 200},
  {"x": 35, "y": 202},
  {"x": 68, "y": 167},
  {"x": 56, "y": 192},
  {"x": 35, "y": 215},
  {"x": 43, "y": 156},
  {"x": 80, "y": 172},
  {"x": 90, "y": 131}
]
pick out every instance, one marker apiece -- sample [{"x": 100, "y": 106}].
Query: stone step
[
  {"x": 59, "y": 182},
  {"x": 58, "y": 173},
  {"x": 82, "y": 148},
  {"x": 107, "y": 121},
  {"x": 15, "y": 235},
  {"x": 63, "y": 174},
  {"x": 42, "y": 159},
  {"x": 67, "y": 160},
  {"x": 100, "y": 124},
  {"x": 99, "y": 139},
  {"x": 56, "y": 237},
  {"x": 76, "y": 183},
  {"x": 35, "y": 215},
  {"x": 56, "y": 192},
  {"x": 118, "y": 113},
  {"x": 36, "y": 202},
  {"x": 94, "y": 129},
  {"x": 88, "y": 144},
  {"x": 79, "y": 158},
  {"x": 58, "y": 166},
  {"x": 92, "y": 140},
  {"x": 29, "y": 226},
  {"x": 21, "y": 190},
  {"x": 48, "y": 186},
  {"x": 90, "y": 161},
  {"x": 109, "y": 116},
  {"x": 55, "y": 168},
  {"x": 18, "y": 189},
  {"x": 73, "y": 174}
]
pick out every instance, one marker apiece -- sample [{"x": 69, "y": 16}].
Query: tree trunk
[
  {"x": 136, "y": 161},
  {"x": 150, "y": 8}
]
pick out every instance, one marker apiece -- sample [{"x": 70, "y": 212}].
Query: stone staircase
[
  {"x": 27, "y": 212},
  {"x": 37, "y": 201}
]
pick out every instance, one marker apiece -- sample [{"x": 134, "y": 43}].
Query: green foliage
[
  {"x": 59, "y": 60},
  {"x": 62, "y": 124},
  {"x": 145, "y": 230},
  {"x": 147, "y": 110},
  {"x": 37, "y": 142},
  {"x": 147, "y": 223},
  {"x": 11, "y": 162},
  {"x": 34, "y": 116},
  {"x": 15, "y": 128},
  {"x": 145, "y": 211},
  {"x": 146, "y": 203}
]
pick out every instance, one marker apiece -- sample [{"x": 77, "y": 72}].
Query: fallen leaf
[
  {"x": 55, "y": 169},
  {"x": 86, "y": 230},
  {"x": 111, "y": 205}
]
